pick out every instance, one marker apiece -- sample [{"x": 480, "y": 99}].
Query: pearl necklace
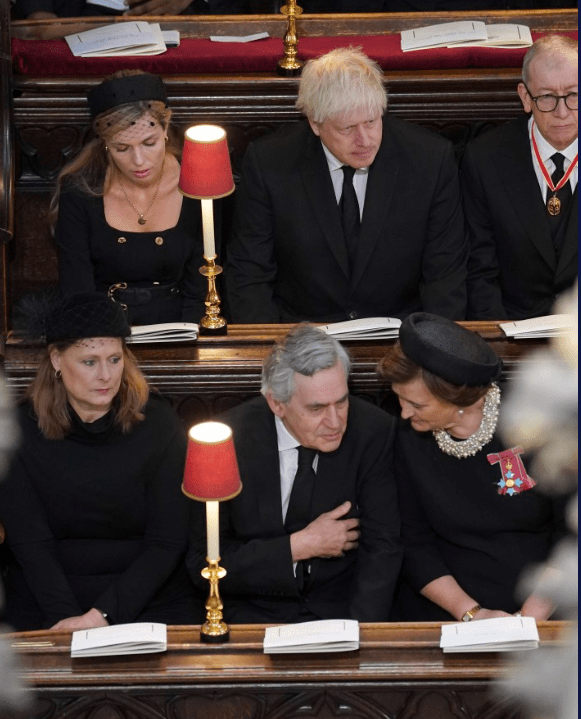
[{"x": 482, "y": 436}]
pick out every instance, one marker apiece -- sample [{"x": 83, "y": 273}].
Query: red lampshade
[
  {"x": 211, "y": 472},
  {"x": 206, "y": 173}
]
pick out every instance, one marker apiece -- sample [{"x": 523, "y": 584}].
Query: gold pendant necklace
[{"x": 141, "y": 215}]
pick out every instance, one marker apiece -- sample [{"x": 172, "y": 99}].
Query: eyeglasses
[{"x": 548, "y": 103}]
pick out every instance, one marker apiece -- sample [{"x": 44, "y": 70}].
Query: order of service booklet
[
  {"x": 504, "y": 634},
  {"x": 546, "y": 326},
  {"x": 136, "y": 638},
  {"x": 466, "y": 33},
  {"x": 164, "y": 332},
  {"x": 122, "y": 38},
  {"x": 364, "y": 328},
  {"x": 325, "y": 635}
]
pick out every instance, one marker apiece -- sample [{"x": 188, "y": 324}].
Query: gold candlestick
[
  {"x": 289, "y": 65},
  {"x": 212, "y": 323},
  {"x": 214, "y": 629}
]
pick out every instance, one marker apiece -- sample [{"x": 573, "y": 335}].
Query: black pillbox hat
[
  {"x": 448, "y": 350},
  {"x": 91, "y": 314},
  {"x": 122, "y": 90}
]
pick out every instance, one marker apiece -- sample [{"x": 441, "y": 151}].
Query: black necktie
[
  {"x": 298, "y": 514},
  {"x": 350, "y": 214},
  {"x": 564, "y": 194}
]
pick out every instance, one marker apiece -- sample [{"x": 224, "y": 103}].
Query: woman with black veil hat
[
  {"x": 96, "y": 523},
  {"x": 122, "y": 226},
  {"x": 472, "y": 518}
]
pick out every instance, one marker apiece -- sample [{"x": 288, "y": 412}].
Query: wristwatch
[
  {"x": 469, "y": 615},
  {"x": 102, "y": 613}
]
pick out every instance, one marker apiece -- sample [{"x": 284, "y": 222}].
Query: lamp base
[
  {"x": 288, "y": 71},
  {"x": 212, "y": 323},
  {"x": 214, "y": 630},
  {"x": 214, "y": 638},
  {"x": 213, "y": 328}
]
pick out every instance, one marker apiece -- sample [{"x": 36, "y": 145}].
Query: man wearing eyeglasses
[{"x": 519, "y": 185}]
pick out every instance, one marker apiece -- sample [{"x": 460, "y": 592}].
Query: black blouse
[{"x": 93, "y": 256}]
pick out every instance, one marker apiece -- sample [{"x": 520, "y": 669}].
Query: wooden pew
[
  {"x": 51, "y": 114},
  {"x": 398, "y": 671},
  {"x": 214, "y": 373}
]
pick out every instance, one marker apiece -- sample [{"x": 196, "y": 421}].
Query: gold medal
[{"x": 554, "y": 205}]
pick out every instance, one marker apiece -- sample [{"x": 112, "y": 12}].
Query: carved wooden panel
[{"x": 445, "y": 700}]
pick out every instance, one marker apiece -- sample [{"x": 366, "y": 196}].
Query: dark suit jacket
[
  {"x": 513, "y": 269},
  {"x": 287, "y": 260},
  {"x": 260, "y": 585}
]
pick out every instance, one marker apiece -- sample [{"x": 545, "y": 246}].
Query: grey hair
[
  {"x": 550, "y": 45},
  {"x": 305, "y": 349},
  {"x": 341, "y": 81}
]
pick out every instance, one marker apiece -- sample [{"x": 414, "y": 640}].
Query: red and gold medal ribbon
[{"x": 544, "y": 170}]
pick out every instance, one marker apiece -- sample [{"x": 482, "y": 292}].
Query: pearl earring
[{"x": 460, "y": 411}]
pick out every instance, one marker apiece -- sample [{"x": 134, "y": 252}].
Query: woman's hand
[
  {"x": 89, "y": 620},
  {"x": 489, "y": 614}
]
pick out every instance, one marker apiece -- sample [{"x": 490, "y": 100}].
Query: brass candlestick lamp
[
  {"x": 289, "y": 65},
  {"x": 211, "y": 475},
  {"x": 206, "y": 175}
]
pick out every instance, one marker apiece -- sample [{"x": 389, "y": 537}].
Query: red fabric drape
[{"x": 53, "y": 57}]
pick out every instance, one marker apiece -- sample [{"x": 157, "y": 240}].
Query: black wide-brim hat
[
  {"x": 448, "y": 350},
  {"x": 122, "y": 90}
]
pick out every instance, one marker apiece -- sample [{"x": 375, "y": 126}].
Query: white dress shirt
[
  {"x": 359, "y": 179},
  {"x": 546, "y": 151}
]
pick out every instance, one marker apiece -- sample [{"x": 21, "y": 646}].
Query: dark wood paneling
[{"x": 212, "y": 374}]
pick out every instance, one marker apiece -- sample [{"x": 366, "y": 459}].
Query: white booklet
[
  {"x": 364, "y": 328},
  {"x": 325, "y": 635},
  {"x": 137, "y": 638},
  {"x": 505, "y": 35},
  {"x": 164, "y": 332},
  {"x": 466, "y": 33},
  {"x": 118, "y": 39},
  {"x": 120, "y": 5},
  {"x": 239, "y": 38},
  {"x": 546, "y": 326},
  {"x": 505, "y": 634}
]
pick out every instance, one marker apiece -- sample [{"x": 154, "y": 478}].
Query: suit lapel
[
  {"x": 570, "y": 246},
  {"x": 319, "y": 191},
  {"x": 517, "y": 174},
  {"x": 381, "y": 184},
  {"x": 261, "y": 444}
]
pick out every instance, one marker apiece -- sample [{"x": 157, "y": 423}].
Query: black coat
[
  {"x": 513, "y": 269},
  {"x": 98, "y": 519},
  {"x": 260, "y": 585},
  {"x": 455, "y": 522},
  {"x": 288, "y": 262}
]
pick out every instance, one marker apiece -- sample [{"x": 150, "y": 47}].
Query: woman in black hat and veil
[
  {"x": 96, "y": 523},
  {"x": 122, "y": 226},
  {"x": 472, "y": 518}
]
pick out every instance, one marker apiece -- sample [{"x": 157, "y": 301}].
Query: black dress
[
  {"x": 93, "y": 256},
  {"x": 98, "y": 519},
  {"x": 454, "y": 521}
]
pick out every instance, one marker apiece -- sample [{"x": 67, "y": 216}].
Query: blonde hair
[
  {"x": 341, "y": 81},
  {"x": 50, "y": 402},
  {"x": 86, "y": 172},
  {"x": 552, "y": 46}
]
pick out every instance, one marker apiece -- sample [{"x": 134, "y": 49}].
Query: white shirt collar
[
  {"x": 284, "y": 437},
  {"x": 335, "y": 164},
  {"x": 546, "y": 150}
]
